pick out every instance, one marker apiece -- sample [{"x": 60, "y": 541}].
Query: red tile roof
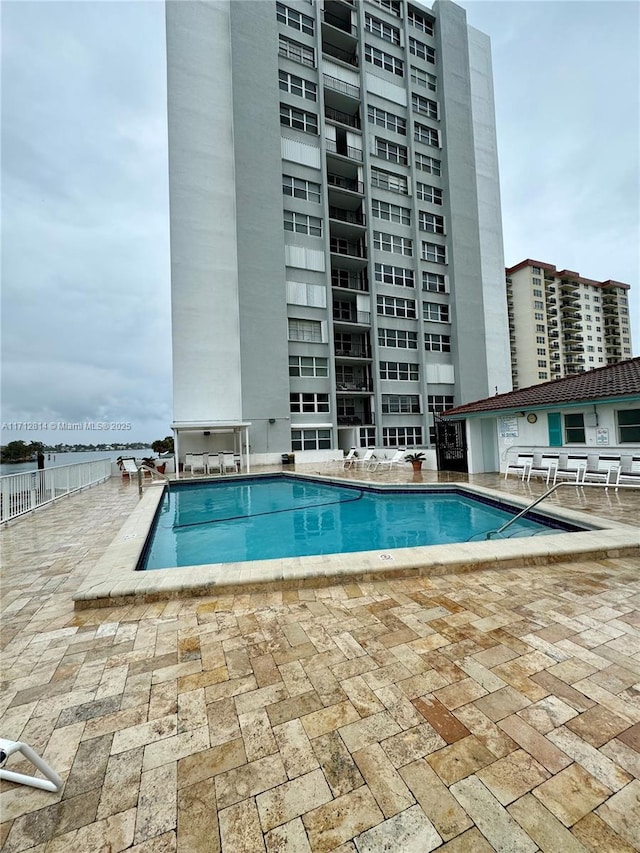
[
  {"x": 551, "y": 268},
  {"x": 615, "y": 380}
]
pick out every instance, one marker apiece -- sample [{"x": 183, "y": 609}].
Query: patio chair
[
  {"x": 593, "y": 473},
  {"x": 519, "y": 465},
  {"x": 349, "y": 459},
  {"x": 228, "y": 463},
  {"x": 537, "y": 468},
  {"x": 129, "y": 467},
  {"x": 561, "y": 470},
  {"x": 396, "y": 459},
  {"x": 628, "y": 473},
  {"x": 364, "y": 461},
  {"x": 197, "y": 463}
]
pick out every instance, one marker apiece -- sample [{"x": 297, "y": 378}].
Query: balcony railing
[
  {"x": 355, "y": 217},
  {"x": 345, "y": 183},
  {"x": 341, "y": 86},
  {"x": 348, "y": 56},
  {"x": 352, "y": 351},
  {"x": 349, "y": 280},
  {"x": 362, "y": 317},
  {"x": 342, "y": 118},
  {"x": 343, "y": 150},
  {"x": 351, "y": 387},
  {"x": 24, "y": 492}
]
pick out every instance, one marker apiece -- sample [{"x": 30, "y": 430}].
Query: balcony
[
  {"x": 343, "y": 150},
  {"x": 342, "y": 87},
  {"x": 347, "y": 280},
  {"x": 361, "y": 318},
  {"x": 347, "y": 54},
  {"x": 352, "y": 346},
  {"x": 345, "y": 183},
  {"x": 349, "y": 381},
  {"x": 339, "y": 246},
  {"x": 342, "y": 118}
]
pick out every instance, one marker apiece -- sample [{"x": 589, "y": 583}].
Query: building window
[
  {"x": 305, "y": 330},
  {"x": 390, "y": 212},
  {"x": 428, "y": 164},
  {"x": 385, "y": 274},
  {"x": 422, "y": 51},
  {"x": 299, "y": 188},
  {"x": 424, "y": 106},
  {"x": 541, "y": 339},
  {"x": 629, "y": 426},
  {"x": 436, "y": 312},
  {"x": 392, "y": 6},
  {"x": 392, "y": 243},
  {"x": 541, "y": 350},
  {"x": 295, "y": 19},
  {"x": 437, "y": 343},
  {"x": 390, "y": 121},
  {"x": 426, "y": 135},
  {"x": 397, "y": 339},
  {"x": 400, "y": 371},
  {"x": 389, "y": 181},
  {"x": 297, "y": 86},
  {"x": 308, "y": 365},
  {"x": 390, "y": 151},
  {"x": 537, "y": 292},
  {"x": 432, "y": 252},
  {"x": 574, "y": 428},
  {"x": 310, "y": 439},
  {"x": 536, "y": 282},
  {"x": 425, "y": 192},
  {"x": 543, "y": 376},
  {"x": 536, "y": 270},
  {"x": 400, "y": 404},
  {"x": 301, "y": 223},
  {"x": 395, "y": 306},
  {"x": 298, "y": 119},
  {"x": 384, "y": 60},
  {"x": 538, "y": 305},
  {"x": 434, "y": 281},
  {"x": 401, "y": 436},
  {"x": 538, "y": 316},
  {"x": 305, "y": 403},
  {"x": 423, "y": 79},
  {"x": 539, "y": 328},
  {"x": 420, "y": 23},
  {"x": 381, "y": 29},
  {"x": 297, "y": 52},
  {"x": 430, "y": 222},
  {"x": 437, "y": 403}
]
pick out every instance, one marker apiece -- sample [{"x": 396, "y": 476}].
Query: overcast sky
[{"x": 85, "y": 237}]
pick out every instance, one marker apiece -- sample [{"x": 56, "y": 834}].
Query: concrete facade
[{"x": 336, "y": 241}]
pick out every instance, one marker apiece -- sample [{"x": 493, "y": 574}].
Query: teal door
[{"x": 554, "y": 425}]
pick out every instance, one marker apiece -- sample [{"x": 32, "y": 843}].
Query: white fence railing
[{"x": 20, "y": 493}]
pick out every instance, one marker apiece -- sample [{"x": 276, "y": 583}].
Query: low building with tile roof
[{"x": 598, "y": 410}]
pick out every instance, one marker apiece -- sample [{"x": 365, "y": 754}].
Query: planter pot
[
  {"x": 160, "y": 468},
  {"x": 417, "y": 465}
]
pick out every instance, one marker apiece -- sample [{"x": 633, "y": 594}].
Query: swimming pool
[{"x": 269, "y": 517}]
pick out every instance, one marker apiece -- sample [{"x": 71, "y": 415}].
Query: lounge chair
[
  {"x": 129, "y": 467},
  {"x": 396, "y": 459},
  {"x": 197, "y": 463},
  {"x": 227, "y": 463},
  {"x": 349, "y": 459},
  {"x": 364, "y": 461},
  {"x": 628, "y": 473},
  {"x": 593, "y": 472}
]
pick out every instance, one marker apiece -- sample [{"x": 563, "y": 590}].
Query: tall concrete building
[
  {"x": 336, "y": 238},
  {"x": 561, "y": 323}
]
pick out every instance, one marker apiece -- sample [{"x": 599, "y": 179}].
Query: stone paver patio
[{"x": 494, "y": 710}]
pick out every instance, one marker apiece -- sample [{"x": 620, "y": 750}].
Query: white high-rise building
[
  {"x": 336, "y": 239},
  {"x": 562, "y": 323}
]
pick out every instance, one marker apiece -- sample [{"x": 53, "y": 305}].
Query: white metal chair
[
  {"x": 349, "y": 459},
  {"x": 129, "y": 467},
  {"x": 364, "y": 461},
  {"x": 561, "y": 470},
  {"x": 537, "y": 468},
  {"x": 228, "y": 463},
  {"x": 197, "y": 463},
  {"x": 519, "y": 466}
]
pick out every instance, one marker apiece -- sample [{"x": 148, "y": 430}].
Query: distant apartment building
[
  {"x": 336, "y": 239},
  {"x": 561, "y": 323}
]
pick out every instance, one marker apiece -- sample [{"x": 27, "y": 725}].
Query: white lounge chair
[
  {"x": 628, "y": 473},
  {"x": 396, "y": 459},
  {"x": 519, "y": 466},
  {"x": 593, "y": 472},
  {"x": 228, "y": 463},
  {"x": 129, "y": 467},
  {"x": 364, "y": 461},
  {"x": 349, "y": 459},
  {"x": 537, "y": 468},
  {"x": 197, "y": 463}
]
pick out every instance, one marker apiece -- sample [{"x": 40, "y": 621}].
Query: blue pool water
[{"x": 268, "y": 517}]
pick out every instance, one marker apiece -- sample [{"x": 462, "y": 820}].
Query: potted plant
[{"x": 416, "y": 460}]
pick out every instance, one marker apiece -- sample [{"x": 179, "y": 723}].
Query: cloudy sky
[{"x": 85, "y": 256}]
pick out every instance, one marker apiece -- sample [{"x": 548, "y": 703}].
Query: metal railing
[
  {"x": 345, "y": 183},
  {"x": 24, "y": 492},
  {"x": 341, "y": 86},
  {"x": 343, "y": 118},
  {"x": 343, "y": 150}
]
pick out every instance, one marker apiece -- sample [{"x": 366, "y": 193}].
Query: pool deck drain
[{"x": 114, "y": 580}]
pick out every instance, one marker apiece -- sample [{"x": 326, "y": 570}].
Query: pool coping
[{"x": 114, "y": 580}]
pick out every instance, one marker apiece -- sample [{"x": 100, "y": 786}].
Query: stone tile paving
[{"x": 495, "y": 710}]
